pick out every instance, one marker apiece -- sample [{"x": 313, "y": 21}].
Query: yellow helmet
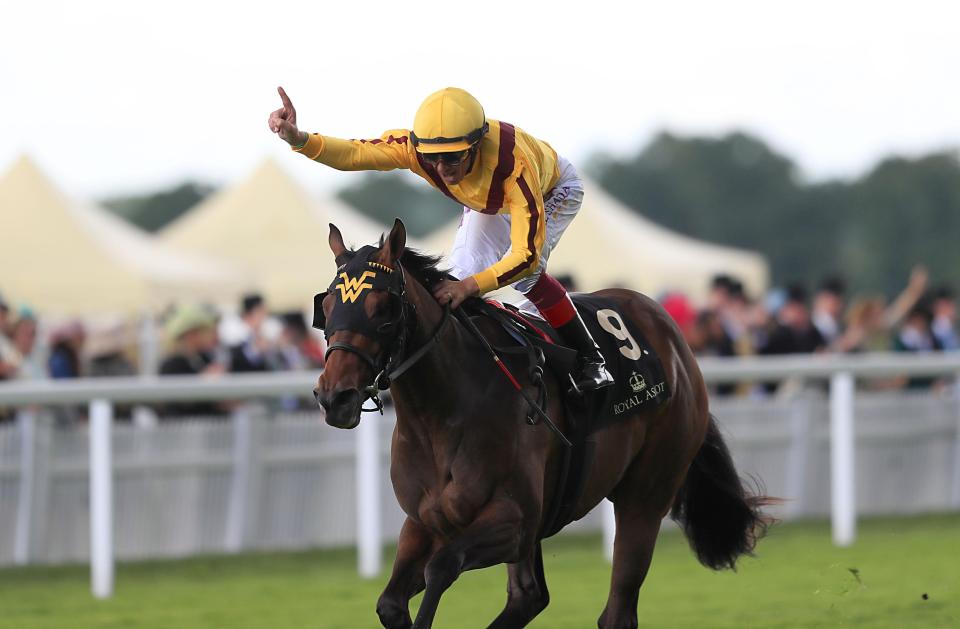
[{"x": 448, "y": 120}]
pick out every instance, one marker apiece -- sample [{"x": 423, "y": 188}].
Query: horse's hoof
[{"x": 393, "y": 616}]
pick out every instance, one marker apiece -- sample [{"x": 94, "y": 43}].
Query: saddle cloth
[{"x": 638, "y": 374}]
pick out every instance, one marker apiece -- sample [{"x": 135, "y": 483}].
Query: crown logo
[{"x": 637, "y": 383}]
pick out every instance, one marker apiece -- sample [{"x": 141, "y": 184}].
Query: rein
[
  {"x": 373, "y": 391},
  {"x": 472, "y": 327}
]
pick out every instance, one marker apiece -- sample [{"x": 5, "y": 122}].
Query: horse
[{"x": 476, "y": 482}]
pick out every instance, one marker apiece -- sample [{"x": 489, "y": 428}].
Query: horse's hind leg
[
  {"x": 406, "y": 581},
  {"x": 527, "y": 593},
  {"x": 637, "y": 530},
  {"x": 640, "y": 501}
]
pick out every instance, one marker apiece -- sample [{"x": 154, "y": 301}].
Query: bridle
[{"x": 392, "y": 363}]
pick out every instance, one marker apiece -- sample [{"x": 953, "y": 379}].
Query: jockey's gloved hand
[{"x": 455, "y": 292}]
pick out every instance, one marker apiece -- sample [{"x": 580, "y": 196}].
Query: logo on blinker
[
  {"x": 637, "y": 383},
  {"x": 352, "y": 287}
]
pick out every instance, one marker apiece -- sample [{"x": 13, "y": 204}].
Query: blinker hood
[{"x": 354, "y": 278}]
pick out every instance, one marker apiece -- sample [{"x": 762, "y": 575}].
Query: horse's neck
[{"x": 427, "y": 395}]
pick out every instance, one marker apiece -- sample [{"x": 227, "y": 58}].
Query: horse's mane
[{"x": 424, "y": 267}]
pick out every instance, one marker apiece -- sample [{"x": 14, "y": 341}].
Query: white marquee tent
[
  {"x": 66, "y": 258},
  {"x": 271, "y": 226}
]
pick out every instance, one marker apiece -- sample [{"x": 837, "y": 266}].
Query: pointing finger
[{"x": 286, "y": 99}]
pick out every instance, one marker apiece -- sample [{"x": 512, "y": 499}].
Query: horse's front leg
[
  {"x": 527, "y": 593},
  {"x": 413, "y": 550},
  {"x": 493, "y": 537}
]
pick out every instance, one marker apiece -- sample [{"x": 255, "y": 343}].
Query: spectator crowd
[
  {"x": 198, "y": 340},
  {"x": 792, "y": 321}
]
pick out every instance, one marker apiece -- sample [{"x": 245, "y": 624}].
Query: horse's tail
[{"x": 721, "y": 515}]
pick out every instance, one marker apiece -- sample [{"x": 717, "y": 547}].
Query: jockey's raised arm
[{"x": 390, "y": 151}]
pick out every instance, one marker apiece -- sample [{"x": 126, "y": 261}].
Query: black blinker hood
[{"x": 350, "y": 287}]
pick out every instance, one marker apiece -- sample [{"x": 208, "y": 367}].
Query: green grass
[{"x": 798, "y": 579}]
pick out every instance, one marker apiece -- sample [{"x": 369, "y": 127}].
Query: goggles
[{"x": 452, "y": 158}]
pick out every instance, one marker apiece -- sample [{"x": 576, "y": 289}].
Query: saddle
[{"x": 637, "y": 371}]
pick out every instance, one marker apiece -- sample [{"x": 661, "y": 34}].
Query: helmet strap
[{"x": 474, "y": 150}]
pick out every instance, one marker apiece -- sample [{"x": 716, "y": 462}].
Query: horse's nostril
[
  {"x": 324, "y": 404},
  {"x": 346, "y": 396}
]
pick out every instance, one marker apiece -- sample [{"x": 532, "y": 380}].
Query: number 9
[{"x": 619, "y": 331}]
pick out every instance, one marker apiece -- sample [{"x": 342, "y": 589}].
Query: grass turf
[{"x": 900, "y": 573}]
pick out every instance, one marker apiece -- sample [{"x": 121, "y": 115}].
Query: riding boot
[{"x": 591, "y": 373}]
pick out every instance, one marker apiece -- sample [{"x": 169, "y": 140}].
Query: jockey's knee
[{"x": 532, "y": 282}]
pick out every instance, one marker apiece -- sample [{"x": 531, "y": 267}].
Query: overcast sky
[{"x": 113, "y": 97}]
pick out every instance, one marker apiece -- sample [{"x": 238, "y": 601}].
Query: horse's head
[{"x": 362, "y": 314}]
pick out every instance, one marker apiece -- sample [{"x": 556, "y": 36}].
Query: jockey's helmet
[{"x": 449, "y": 120}]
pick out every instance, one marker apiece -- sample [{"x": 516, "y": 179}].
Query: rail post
[
  {"x": 23, "y": 536},
  {"x": 369, "y": 533},
  {"x": 101, "y": 498},
  {"x": 843, "y": 507},
  {"x": 798, "y": 455},
  {"x": 609, "y": 528},
  {"x": 955, "y": 480}
]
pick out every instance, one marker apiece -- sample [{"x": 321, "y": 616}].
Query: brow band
[{"x": 382, "y": 267}]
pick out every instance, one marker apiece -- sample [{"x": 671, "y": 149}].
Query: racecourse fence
[{"x": 263, "y": 479}]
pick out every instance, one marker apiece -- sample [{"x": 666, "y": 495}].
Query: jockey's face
[{"x": 452, "y": 167}]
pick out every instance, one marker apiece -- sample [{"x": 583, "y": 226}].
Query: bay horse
[{"x": 477, "y": 482}]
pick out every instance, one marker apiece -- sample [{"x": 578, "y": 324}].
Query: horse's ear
[
  {"x": 336, "y": 242},
  {"x": 395, "y": 243}
]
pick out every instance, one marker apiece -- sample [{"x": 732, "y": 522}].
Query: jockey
[{"x": 518, "y": 196}]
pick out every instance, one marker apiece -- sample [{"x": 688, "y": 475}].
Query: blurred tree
[
  {"x": 385, "y": 196},
  {"x": 152, "y": 212},
  {"x": 906, "y": 211},
  {"x": 809, "y": 235},
  {"x": 728, "y": 189},
  {"x": 735, "y": 190}
]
